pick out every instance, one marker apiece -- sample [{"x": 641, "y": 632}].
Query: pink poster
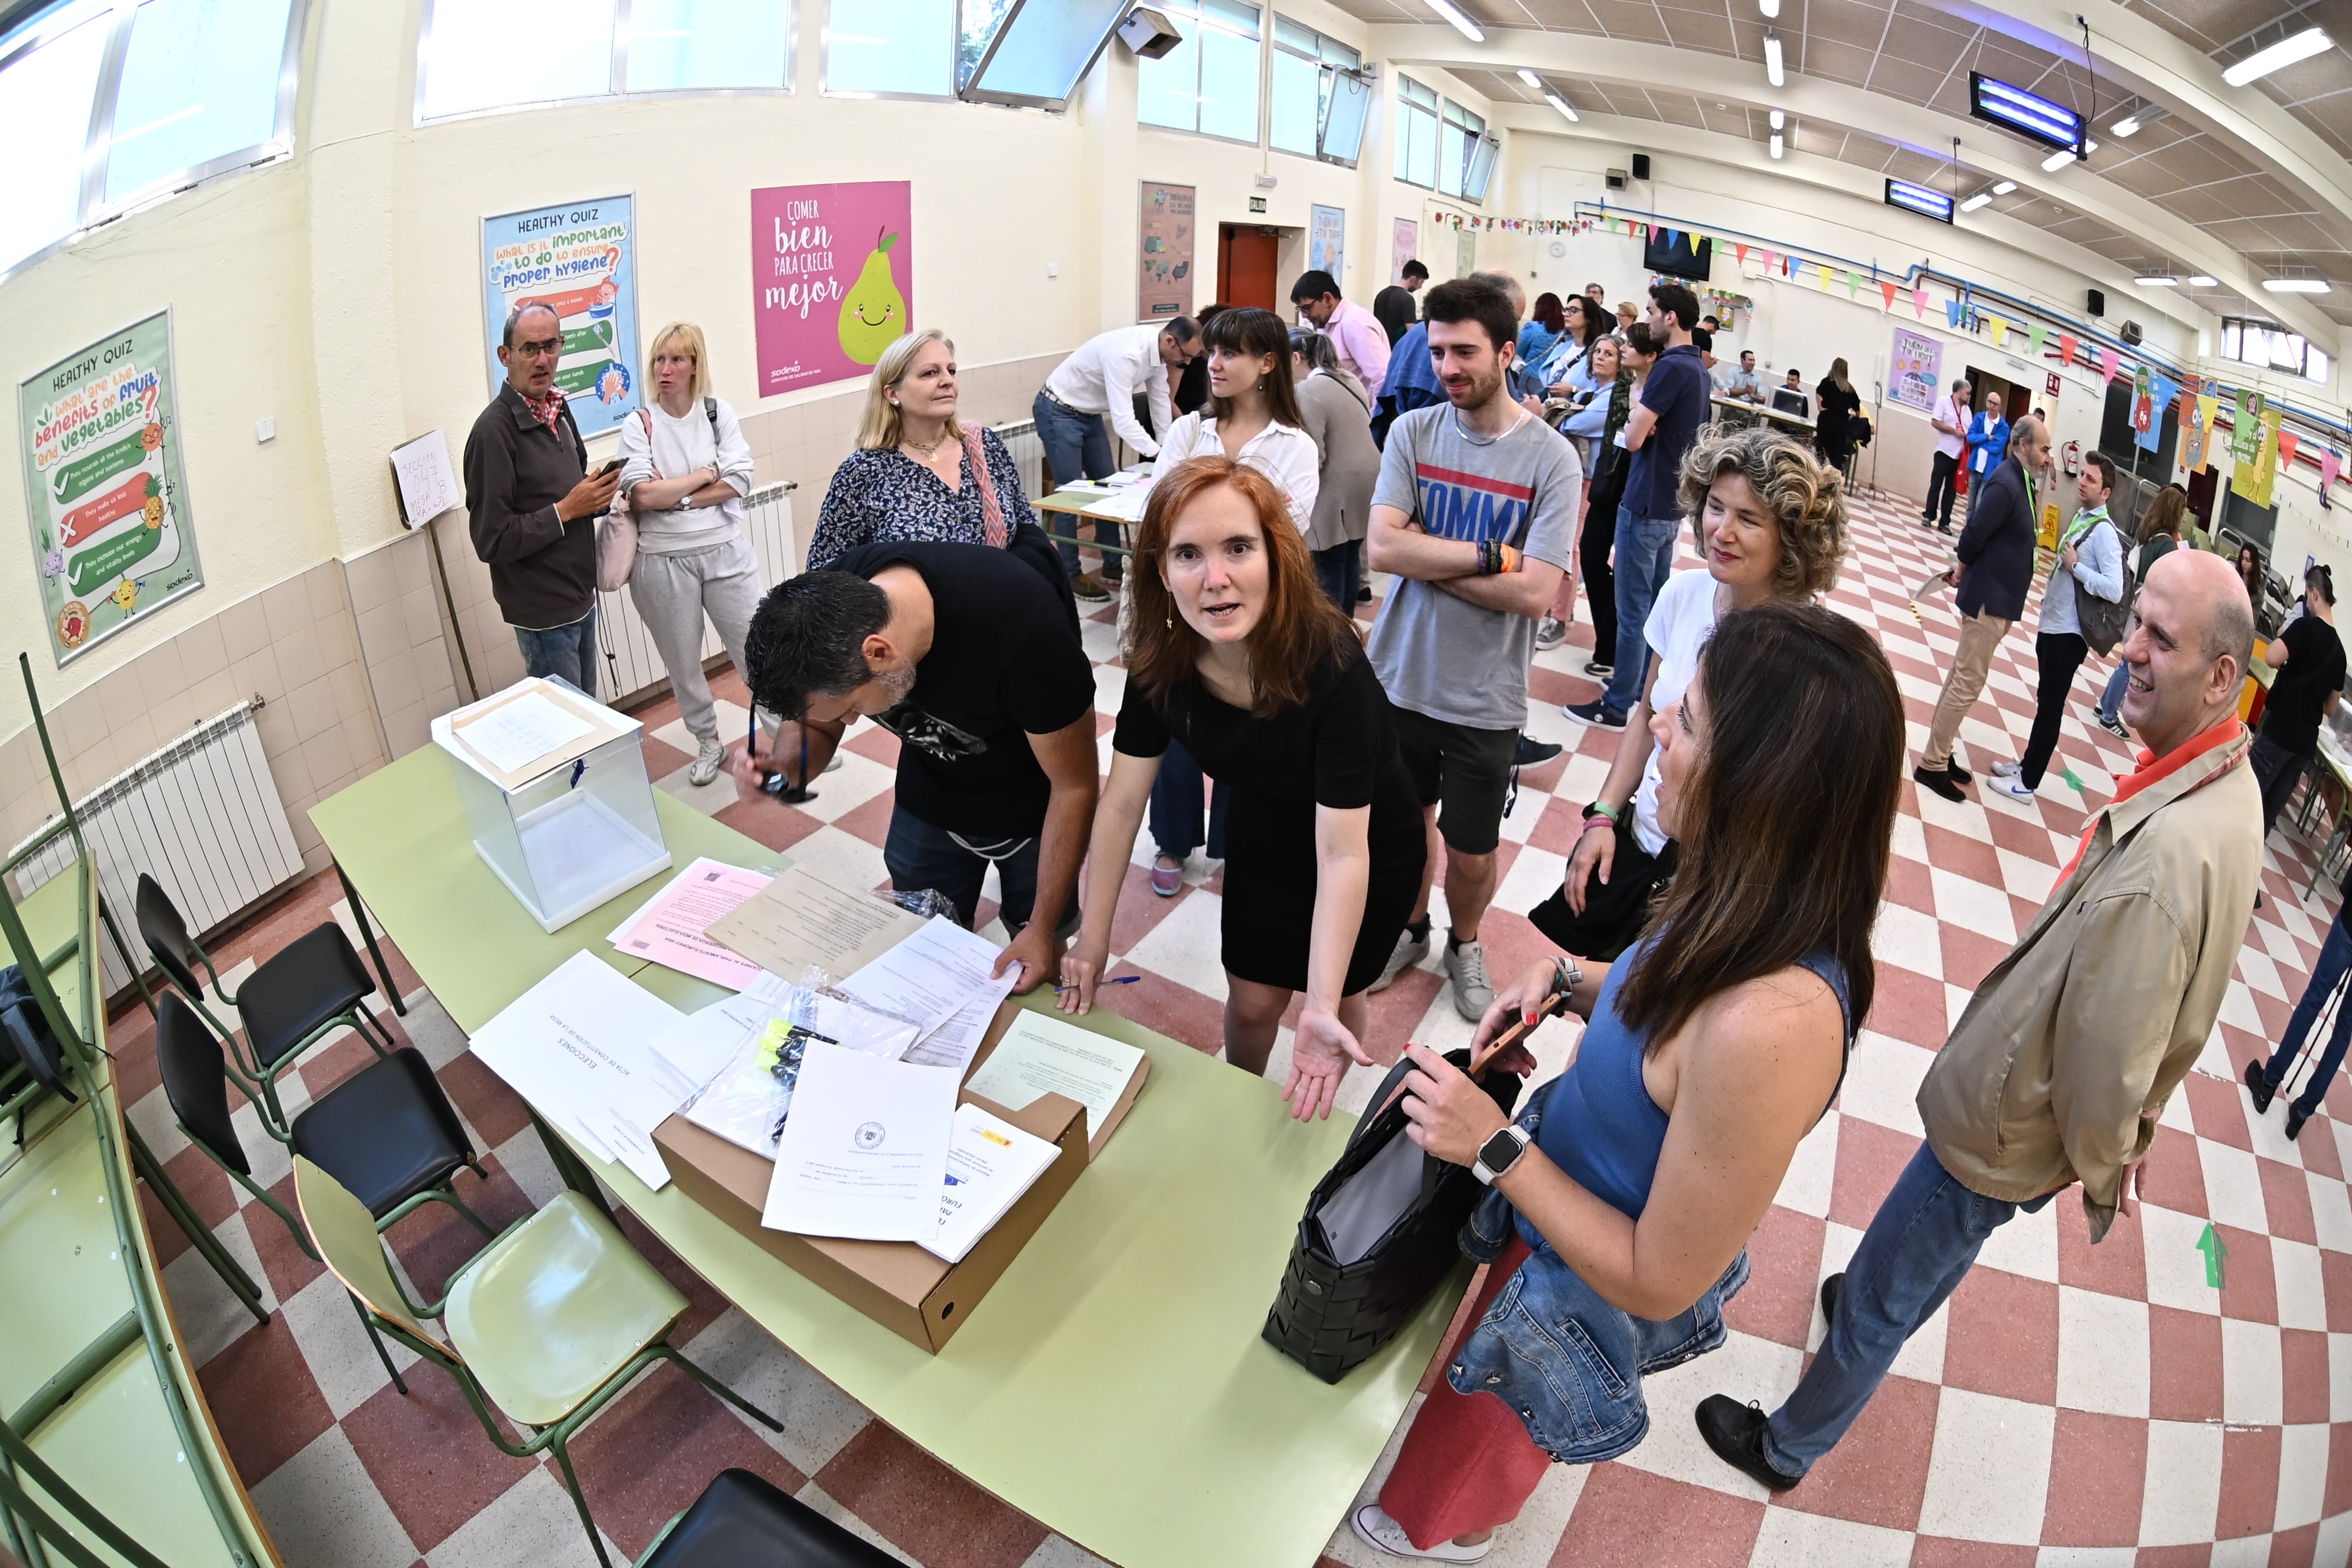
[{"x": 832, "y": 279}]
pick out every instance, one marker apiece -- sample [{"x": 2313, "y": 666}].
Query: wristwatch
[{"x": 1499, "y": 1154}]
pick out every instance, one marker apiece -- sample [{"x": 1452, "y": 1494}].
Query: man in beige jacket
[{"x": 2067, "y": 1053}]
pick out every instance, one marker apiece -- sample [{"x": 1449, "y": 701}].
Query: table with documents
[{"x": 1113, "y": 1385}]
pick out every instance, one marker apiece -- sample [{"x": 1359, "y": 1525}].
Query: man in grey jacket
[{"x": 1996, "y": 566}]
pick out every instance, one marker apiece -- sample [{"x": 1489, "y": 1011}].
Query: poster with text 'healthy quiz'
[
  {"x": 104, "y": 492},
  {"x": 832, "y": 278},
  {"x": 1916, "y": 362},
  {"x": 580, "y": 258}
]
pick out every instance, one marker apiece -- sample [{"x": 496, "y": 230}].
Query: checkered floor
[{"x": 2072, "y": 1405}]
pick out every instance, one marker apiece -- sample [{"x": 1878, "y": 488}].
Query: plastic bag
[{"x": 748, "y": 1102}]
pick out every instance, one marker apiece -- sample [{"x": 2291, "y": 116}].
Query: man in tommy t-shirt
[{"x": 1475, "y": 517}]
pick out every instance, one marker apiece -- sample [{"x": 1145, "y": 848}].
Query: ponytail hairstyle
[{"x": 2321, "y": 581}]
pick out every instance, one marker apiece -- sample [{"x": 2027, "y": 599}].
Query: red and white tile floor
[{"x": 2070, "y": 1405}]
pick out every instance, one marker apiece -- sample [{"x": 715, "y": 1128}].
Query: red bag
[{"x": 1960, "y": 480}]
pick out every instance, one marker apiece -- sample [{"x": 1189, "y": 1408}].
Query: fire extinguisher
[{"x": 2070, "y": 458}]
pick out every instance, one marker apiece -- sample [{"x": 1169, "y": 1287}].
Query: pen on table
[{"x": 1116, "y": 980}]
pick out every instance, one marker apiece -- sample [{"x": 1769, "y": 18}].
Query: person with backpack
[
  {"x": 2159, "y": 533},
  {"x": 2082, "y": 608}
]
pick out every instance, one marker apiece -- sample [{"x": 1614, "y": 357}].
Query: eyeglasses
[{"x": 540, "y": 349}]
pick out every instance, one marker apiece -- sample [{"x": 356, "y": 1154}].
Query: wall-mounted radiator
[
  {"x": 1019, "y": 438},
  {"x": 631, "y": 667},
  {"x": 202, "y": 816}
]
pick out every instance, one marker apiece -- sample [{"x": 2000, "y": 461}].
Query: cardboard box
[{"x": 897, "y": 1284}]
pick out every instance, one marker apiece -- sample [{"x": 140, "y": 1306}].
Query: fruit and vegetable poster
[
  {"x": 832, "y": 278},
  {"x": 1917, "y": 361},
  {"x": 1164, "y": 281},
  {"x": 103, "y": 486},
  {"x": 581, "y": 258}
]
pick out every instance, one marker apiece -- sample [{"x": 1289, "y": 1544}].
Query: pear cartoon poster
[
  {"x": 104, "y": 492},
  {"x": 832, "y": 279},
  {"x": 581, "y": 258}
]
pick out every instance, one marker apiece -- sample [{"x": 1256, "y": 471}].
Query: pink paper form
[{"x": 668, "y": 928}]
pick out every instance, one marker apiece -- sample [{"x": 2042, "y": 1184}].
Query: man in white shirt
[
  {"x": 1741, "y": 383},
  {"x": 1102, "y": 378},
  {"x": 1950, "y": 418}
]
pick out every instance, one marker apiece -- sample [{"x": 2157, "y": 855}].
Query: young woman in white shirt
[
  {"x": 1252, "y": 418},
  {"x": 685, "y": 470}
]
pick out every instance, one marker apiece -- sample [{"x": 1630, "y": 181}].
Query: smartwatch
[{"x": 1499, "y": 1154}]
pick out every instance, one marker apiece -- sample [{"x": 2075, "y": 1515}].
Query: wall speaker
[
  {"x": 1148, "y": 33},
  {"x": 2130, "y": 333},
  {"x": 1615, "y": 179},
  {"x": 2097, "y": 302},
  {"x": 1641, "y": 166}
]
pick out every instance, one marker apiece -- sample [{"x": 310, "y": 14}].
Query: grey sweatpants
[{"x": 672, "y": 592}]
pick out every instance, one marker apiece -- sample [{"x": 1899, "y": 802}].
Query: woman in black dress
[
  {"x": 1234, "y": 652},
  {"x": 1835, "y": 402}
]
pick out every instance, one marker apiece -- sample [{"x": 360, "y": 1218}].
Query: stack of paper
[
  {"x": 990, "y": 1164},
  {"x": 938, "y": 980},
  {"x": 669, "y": 927},
  {"x": 577, "y": 1046},
  {"x": 1041, "y": 1054},
  {"x": 865, "y": 1150}
]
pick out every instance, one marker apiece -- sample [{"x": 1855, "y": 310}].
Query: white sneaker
[
  {"x": 1466, "y": 966},
  {"x": 1374, "y": 1528},
  {"x": 1408, "y": 952},
  {"x": 2007, "y": 770},
  {"x": 1550, "y": 633},
  {"x": 708, "y": 760},
  {"x": 2016, "y": 788}
]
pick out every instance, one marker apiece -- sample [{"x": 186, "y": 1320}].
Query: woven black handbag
[{"x": 1378, "y": 1236}]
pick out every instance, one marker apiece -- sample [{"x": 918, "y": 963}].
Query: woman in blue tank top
[{"x": 1628, "y": 1187}]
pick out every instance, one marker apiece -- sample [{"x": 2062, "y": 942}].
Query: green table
[{"x": 1113, "y": 1385}]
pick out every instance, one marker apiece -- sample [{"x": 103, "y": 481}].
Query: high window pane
[
  {"x": 1167, "y": 90},
  {"x": 1045, "y": 48},
  {"x": 1229, "y": 72},
  {"x": 486, "y": 54},
  {"x": 45, "y": 100},
  {"x": 977, "y": 22},
  {"x": 702, "y": 44},
  {"x": 1452, "y": 157},
  {"x": 1416, "y": 138},
  {"x": 1482, "y": 169},
  {"x": 1347, "y": 109},
  {"x": 200, "y": 82},
  {"x": 891, "y": 46},
  {"x": 1294, "y": 106}
]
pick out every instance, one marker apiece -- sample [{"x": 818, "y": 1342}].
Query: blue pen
[{"x": 1118, "y": 980}]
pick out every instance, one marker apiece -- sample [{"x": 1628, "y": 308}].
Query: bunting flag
[
  {"x": 2160, "y": 396},
  {"x": 1887, "y": 289},
  {"x": 2036, "y": 335},
  {"x": 1852, "y": 285},
  {"x": 1952, "y": 314},
  {"x": 2266, "y": 464},
  {"x": 1743, "y": 255},
  {"x": 1672, "y": 234},
  {"x": 2111, "y": 363},
  {"x": 2288, "y": 442},
  {"x": 1826, "y": 275},
  {"x": 1999, "y": 331},
  {"x": 1920, "y": 303},
  {"x": 2066, "y": 347},
  {"x": 2330, "y": 465}
]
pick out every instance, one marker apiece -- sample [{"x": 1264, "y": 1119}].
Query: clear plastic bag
[{"x": 748, "y": 1102}]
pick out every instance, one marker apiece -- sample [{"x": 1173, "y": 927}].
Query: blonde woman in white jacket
[{"x": 685, "y": 470}]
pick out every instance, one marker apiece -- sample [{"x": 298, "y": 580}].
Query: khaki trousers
[{"x": 1979, "y": 635}]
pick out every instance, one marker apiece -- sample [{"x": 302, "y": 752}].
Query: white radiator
[
  {"x": 202, "y": 816},
  {"x": 630, "y": 666},
  {"x": 1019, "y": 438}
]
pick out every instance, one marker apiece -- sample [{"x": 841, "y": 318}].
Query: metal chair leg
[
  {"x": 448, "y": 1194},
  {"x": 376, "y": 1340},
  {"x": 572, "y": 1485},
  {"x": 367, "y": 935},
  {"x": 670, "y": 1351}
]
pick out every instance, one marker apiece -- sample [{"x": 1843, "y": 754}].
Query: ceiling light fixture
[
  {"x": 1776, "y": 143},
  {"x": 1530, "y": 78},
  {"x": 2028, "y": 113},
  {"x": 1772, "y": 72},
  {"x": 1770, "y": 8},
  {"x": 1778, "y": 119},
  {"x": 1562, "y": 104},
  {"x": 1982, "y": 199},
  {"x": 2158, "y": 282},
  {"x": 1920, "y": 199},
  {"x": 2278, "y": 56},
  {"x": 2296, "y": 285},
  {"x": 2199, "y": 280},
  {"x": 2003, "y": 188},
  {"x": 2145, "y": 115},
  {"x": 1462, "y": 23},
  {"x": 2066, "y": 155}
]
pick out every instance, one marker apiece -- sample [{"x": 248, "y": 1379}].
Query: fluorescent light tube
[
  {"x": 1776, "y": 143},
  {"x": 2158, "y": 282},
  {"x": 2003, "y": 188},
  {"x": 1770, "y": 8},
  {"x": 2199, "y": 280},
  {"x": 1530, "y": 78},
  {"x": 1772, "y": 72},
  {"x": 1982, "y": 198},
  {"x": 1462, "y": 23},
  {"x": 1778, "y": 119},
  {"x": 2296, "y": 285},
  {"x": 2279, "y": 56},
  {"x": 2127, "y": 126},
  {"x": 1560, "y": 103}
]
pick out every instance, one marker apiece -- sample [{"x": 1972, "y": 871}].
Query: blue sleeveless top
[{"x": 1599, "y": 1124}]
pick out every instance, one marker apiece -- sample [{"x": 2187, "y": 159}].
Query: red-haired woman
[{"x": 1234, "y": 652}]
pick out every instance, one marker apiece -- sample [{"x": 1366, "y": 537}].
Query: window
[
  {"x": 1040, "y": 51},
  {"x": 1466, "y": 153},
  {"x": 1416, "y": 138},
  {"x": 904, "y": 48},
  {"x": 2273, "y": 347},
  {"x": 478, "y": 55},
  {"x": 1209, "y": 82},
  {"x": 1310, "y": 74},
  {"x": 108, "y": 103}
]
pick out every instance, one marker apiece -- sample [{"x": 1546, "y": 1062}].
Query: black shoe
[
  {"x": 1600, "y": 668},
  {"x": 2258, "y": 1083},
  {"x": 1736, "y": 1433},
  {"x": 1364, "y": 595},
  {"x": 1596, "y": 713},
  {"x": 1532, "y": 751},
  {"x": 1943, "y": 784},
  {"x": 1961, "y": 775},
  {"x": 2294, "y": 1120},
  {"x": 1944, "y": 528},
  {"x": 1831, "y": 1286}
]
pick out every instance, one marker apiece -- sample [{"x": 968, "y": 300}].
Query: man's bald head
[
  {"x": 2029, "y": 440},
  {"x": 2190, "y": 645}
]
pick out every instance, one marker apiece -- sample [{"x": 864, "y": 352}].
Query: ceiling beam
[{"x": 1991, "y": 153}]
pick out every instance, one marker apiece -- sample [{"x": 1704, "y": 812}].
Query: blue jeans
[
  {"x": 1176, "y": 807},
  {"x": 2334, "y": 958},
  {"x": 2111, "y": 699},
  {"x": 1919, "y": 1246},
  {"x": 919, "y": 855},
  {"x": 1340, "y": 571},
  {"x": 566, "y": 651},
  {"x": 1077, "y": 445},
  {"x": 1645, "y": 553}
]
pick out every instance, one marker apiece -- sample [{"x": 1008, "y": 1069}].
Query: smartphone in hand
[{"x": 1519, "y": 1030}]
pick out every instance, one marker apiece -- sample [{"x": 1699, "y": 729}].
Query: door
[{"x": 1246, "y": 260}]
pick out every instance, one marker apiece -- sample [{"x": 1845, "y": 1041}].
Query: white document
[
  {"x": 865, "y": 1150},
  {"x": 516, "y": 734},
  {"x": 700, "y": 1044},
  {"x": 952, "y": 1042},
  {"x": 577, "y": 1046},
  {"x": 426, "y": 480},
  {"x": 929, "y": 977},
  {"x": 1041, "y": 1054},
  {"x": 989, "y": 1164}
]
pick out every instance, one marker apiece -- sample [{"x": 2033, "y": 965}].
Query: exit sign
[{"x": 1257, "y": 203}]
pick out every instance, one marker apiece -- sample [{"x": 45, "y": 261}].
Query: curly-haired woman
[{"x": 1771, "y": 518}]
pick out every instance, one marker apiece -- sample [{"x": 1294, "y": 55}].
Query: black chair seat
[
  {"x": 742, "y": 1521},
  {"x": 310, "y": 980},
  {"x": 387, "y": 1132}
]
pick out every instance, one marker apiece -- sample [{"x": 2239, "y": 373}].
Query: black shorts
[{"x": 1465, "y": 772}]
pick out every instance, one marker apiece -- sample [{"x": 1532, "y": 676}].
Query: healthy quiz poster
[
  {"x": 103, "y": 486},
  {"x": 580, "y": 258},
  {"x": 832, "y": 278},
  {"x": 1916, "y": 363}
]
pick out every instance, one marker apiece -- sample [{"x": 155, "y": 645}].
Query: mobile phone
[
  {"x": 1516, "y": 1033},
  {"x": 611, "y": 465}
]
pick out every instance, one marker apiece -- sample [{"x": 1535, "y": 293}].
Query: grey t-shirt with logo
[{"x": 1438, "y": 655}]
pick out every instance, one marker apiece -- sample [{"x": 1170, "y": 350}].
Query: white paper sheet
[
  {"x": 929, "y": 977},
  {"x": 1041, "y": 1054},
  {"x": 701, "y": 1043},
  {"x": 952, "y": 1042},
  {"x": 512, "y": 737},
  {"x": 990, "y": 1164},
  {"x": 865, "y": 1150}
]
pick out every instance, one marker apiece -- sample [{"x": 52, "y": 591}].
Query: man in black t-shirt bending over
[{"x": 966, "y": 653}]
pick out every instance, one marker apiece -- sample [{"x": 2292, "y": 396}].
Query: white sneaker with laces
[
  {"x": 2007, "y": 770},
  {"x": 1409, "y": 951},
  {"x": 2016, "y": 787},
  {"x": 1466, "y": 966},
  {"x": 708, "y": 760},
  {"x": 1374, "y": 1528}
]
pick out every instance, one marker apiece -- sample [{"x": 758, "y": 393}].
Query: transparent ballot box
[{"x": 556, "y": 794}]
